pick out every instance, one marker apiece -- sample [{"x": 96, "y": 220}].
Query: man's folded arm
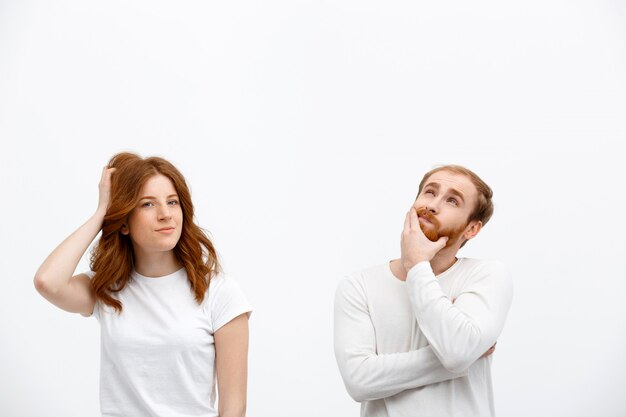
[
  {"x": 366, "y": 374},
  {"x": 460, "y": 332}
]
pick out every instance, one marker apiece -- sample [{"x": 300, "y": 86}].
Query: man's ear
[{"x": 472, "y": 230}]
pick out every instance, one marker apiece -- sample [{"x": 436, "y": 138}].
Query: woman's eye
[
  {"x": 148, "y": 204},
  {"x": 173, "y": 202}
]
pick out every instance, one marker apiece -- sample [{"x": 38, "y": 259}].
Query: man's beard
[{"x": 434, "y": 231}]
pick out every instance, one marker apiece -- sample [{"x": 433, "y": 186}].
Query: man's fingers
[
  {"x": 490, "y": 350},
  {"x": 407, "y": 222},
  {"x": 413, "y": 220}
]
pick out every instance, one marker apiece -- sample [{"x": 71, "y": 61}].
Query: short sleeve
[
  {"x": 96, "y": 307},
  {"x": 226, "y": 301}
]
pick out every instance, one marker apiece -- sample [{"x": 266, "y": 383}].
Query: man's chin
[{"x": 430, "y": 233}]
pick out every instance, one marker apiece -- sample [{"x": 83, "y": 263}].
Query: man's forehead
[{"x": 449, "y": 179}]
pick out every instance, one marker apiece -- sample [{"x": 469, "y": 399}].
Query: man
[{"x": 414, "y": 337}]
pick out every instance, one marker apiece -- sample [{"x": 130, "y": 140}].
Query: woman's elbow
[
  {"x": 235, "y": 410},
  {"x": 42, "y": 285}
]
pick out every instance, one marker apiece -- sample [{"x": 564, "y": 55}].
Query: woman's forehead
[{"x": 158, "y": 184}]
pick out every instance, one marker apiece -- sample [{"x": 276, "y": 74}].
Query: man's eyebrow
[
  {"x": 457, "y": 193},
  {"x": 453, "y": 191},
  {"x": 148, "y": 197},
  {"x": 433, "y": 184}
]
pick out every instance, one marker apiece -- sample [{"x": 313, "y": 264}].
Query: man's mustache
[{"x": 428, "y": 215}]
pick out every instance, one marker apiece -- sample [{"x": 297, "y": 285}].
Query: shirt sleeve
[
  {"x": 226, "y": 301},
  {"x": 461, "y": 332},
  {"x": 366, "y": 374}
]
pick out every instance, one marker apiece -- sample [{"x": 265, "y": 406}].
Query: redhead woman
[{"x": 174, "y": 328}]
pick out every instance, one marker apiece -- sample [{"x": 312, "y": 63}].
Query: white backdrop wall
[{"x": 303, "y": 128}]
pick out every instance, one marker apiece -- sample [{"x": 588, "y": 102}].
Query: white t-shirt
[
  {"x": 158, "y": 355},
  {"x": 405, "y": 349}
]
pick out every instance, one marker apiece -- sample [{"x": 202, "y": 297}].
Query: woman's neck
[{"x": 156, "y": 264}]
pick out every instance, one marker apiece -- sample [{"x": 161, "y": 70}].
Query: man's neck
[{"x": 439, "y": 264}]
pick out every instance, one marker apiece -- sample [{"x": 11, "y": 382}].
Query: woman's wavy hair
[{"x": 112, "y": 259}]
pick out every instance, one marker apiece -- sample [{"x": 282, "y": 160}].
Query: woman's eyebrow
[{"x": 148, "y": 197}]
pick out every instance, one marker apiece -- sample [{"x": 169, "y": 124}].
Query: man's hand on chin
[{"x": 414, "y": 245}]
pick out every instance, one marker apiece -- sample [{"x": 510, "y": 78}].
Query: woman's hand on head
[{"x": 105, "y": 189}]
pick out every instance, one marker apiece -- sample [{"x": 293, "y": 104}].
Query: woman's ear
[{"x": 124, "y": 229}]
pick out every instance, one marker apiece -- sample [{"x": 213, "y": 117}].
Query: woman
[{"x": 172, "y": 325}]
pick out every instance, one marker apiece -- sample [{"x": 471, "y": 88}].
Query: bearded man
[{"x": 414, "y": 337}]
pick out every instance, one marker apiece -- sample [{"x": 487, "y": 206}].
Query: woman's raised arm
[{"x": 54, "y": 279}]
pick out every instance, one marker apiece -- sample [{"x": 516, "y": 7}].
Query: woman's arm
[
  {"x": 54, "y": 279},
  {"x": 231, "y": 363}
]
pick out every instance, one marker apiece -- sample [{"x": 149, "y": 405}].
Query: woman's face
[{"x": 155, "y": 225}]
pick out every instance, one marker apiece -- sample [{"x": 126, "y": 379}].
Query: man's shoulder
[
  {"x": 487, "y": 271},
  {"x": 482, "y": 264},
  {"x": 375, "y": 272},
  {"x": 362, "y": 279}
]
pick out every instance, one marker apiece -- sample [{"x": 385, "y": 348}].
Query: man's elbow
[
  {"x": 459, "y": 354},
  {"x": 362, "y": 386},
  {"x": 456, "y": 363},
  {"x": 358, "y": 392}
]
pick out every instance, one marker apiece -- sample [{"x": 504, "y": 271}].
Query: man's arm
[
  {"x": 366, "y": 374},
  {"x": 461, "y": 332}
]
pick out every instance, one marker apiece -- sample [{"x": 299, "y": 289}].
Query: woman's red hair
[{"x": 112, "y": 259}]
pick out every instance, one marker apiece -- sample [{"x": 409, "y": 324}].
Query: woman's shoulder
[
  {"x": 223, "y": 283},
  {"x": 225, "y": 295}
]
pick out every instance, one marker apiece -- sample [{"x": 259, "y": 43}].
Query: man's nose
[{"x": 433, "y": 206}]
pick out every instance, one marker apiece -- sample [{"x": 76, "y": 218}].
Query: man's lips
[{"x": 424, "y": 219}]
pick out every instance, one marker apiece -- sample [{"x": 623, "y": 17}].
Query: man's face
[{"x": 444, "y": 205}]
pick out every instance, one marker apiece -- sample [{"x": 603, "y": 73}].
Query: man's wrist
[{"x": 410, "y": 264}]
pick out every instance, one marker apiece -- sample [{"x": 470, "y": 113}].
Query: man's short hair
[{"x": 484, "y": 206}]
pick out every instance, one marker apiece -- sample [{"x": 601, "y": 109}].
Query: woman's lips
[{"x": 166, "y": 230}]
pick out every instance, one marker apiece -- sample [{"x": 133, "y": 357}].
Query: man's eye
[
  {"x": 429, "y": 192},
  {"x": 453, "y": 201}
]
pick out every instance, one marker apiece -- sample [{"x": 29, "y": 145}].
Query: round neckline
[
  {"x": 442, "y": 275},
  {"x": 454, "y": 266},
  {"x": 137, "y": 275}
]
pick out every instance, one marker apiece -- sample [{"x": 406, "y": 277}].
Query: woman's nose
[{"x": 165, "y": 212}]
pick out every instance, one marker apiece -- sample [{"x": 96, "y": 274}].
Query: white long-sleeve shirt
[{"x": 405, "y": 350}]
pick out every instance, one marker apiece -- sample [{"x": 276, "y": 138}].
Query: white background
[{"x": 304, "y": 128}]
